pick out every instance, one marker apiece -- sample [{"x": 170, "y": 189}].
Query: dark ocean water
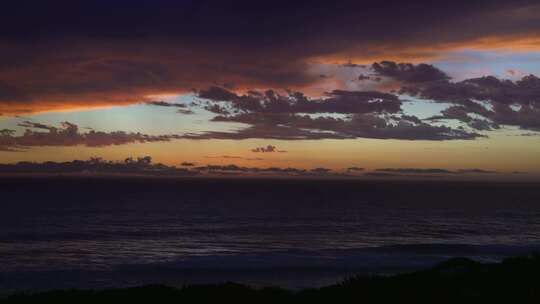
[{"x": 112, "y": 232}]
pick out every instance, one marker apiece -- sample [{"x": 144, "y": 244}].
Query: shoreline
[{"x": 459, "y": 279}]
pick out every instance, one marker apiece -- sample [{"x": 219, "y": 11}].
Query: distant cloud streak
[{"x": 68, "y": 134}]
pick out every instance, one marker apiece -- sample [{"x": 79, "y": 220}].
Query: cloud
[
  {"x": 166, "y": 104},
  {"x": 415, "y": 171},
  {"x": 512, "y": 103},
  {"x": 477, "y": 171},
  {"x": 145, "y": 166},
  {"x": 236, "y": 157},
  {"x": 236, "y": 168},
  {"x": 320, "y": 170},
  {"x": 182, "y": 108},
  {"x": 10, "y": 93},
  {"x": 272, "y": 171},
  {"x": 381, "y": 174},
  {"x": 407, "y": 72},
  {"x": 96, "y": 165},
  {"x": 363, "y": 77},
  {"x": 522, "y": 92},
  {"x": 69, "y": 60},
  {"x": 267, "y": 149},
  {"x": 337, "y": 101},
  {"x": 70, "y": 55},
  {"x": 462, "y": 114},
  {"x": 297, "y": 127},
  {"x": 68, "y": 134},
  {"x": 36, "y": 125},
  {"x": 364, "y": 114}
]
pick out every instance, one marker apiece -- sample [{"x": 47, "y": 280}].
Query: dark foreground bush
[{"x": 515, "y": 280}]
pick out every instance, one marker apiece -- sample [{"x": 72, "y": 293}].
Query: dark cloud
[
  {"x": 98, "y": 52},
  {"x": 296, "y": 127},
  {"x": 342, "y": 102},
  {"x": 221, "y": 94},
  {"x": 509, "y": 103},
  {"x": 381, "y": 174},
  {"x": 96, "y": 165},
  {"x": 266, "y": 129},
  {"x": 489, "y": 88},
  {"x": 144, "y": 166},
  {"x": 10, "y": 93},
  {"x": 401, "y": 176},
  {"x": 320, "y": 170},
  {"x": 408, "y": 72},
  {"x": 244, "y": 20},
  {"x": 462, "y": 114},
  {"x": 477, "y": 171},
  {"x": 289, "y": 171},
  {"x": 271, "y": 115},
  {"x": 415, "y": 171},
  {"x": 267, "y": 149},
  {"x": 353, "y": 65},
  {"x": 36, "y": 125},
  {"x": 362, "y": 77},
  {"x": 7, "y": 132},
  {"x": 166, "y": 104},
  {"x": 72, "y": 54},
  {"x": 433, "y": 171},
  {"x": 68, "y": 134}
]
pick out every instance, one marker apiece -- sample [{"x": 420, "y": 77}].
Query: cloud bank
[
  {"x": 69, "y": 134},
  {"x": 69, "y": 54}
]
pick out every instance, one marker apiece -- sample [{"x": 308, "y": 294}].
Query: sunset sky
[{"x": 374, "y": 89}]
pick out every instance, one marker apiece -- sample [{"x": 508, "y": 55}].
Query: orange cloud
[{"x": 363, "y": 54}]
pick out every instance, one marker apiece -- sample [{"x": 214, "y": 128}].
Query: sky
[{"x": 348, "y": 89}]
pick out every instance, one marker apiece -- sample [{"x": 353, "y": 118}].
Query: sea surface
[{"x": 75, "y": 232}]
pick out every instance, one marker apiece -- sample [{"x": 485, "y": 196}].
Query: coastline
[{"x": 458, "y": 280}]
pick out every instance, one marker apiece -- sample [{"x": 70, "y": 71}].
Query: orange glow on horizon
[{"x": 399, "y": 53}]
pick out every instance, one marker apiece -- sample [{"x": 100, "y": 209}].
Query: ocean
[{"x": 102, "y": 232}]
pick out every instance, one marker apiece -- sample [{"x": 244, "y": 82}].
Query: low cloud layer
[
  {"x": 144, "y": 166},
  {"x": 426, "y": 171},
  {"x": 69, "y": 134},
  {"x": 130, "y": 166},
  {"x": 267, "y": 149}
]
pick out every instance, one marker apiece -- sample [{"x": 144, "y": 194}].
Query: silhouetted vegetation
[{"x": 460, "y": 280}]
